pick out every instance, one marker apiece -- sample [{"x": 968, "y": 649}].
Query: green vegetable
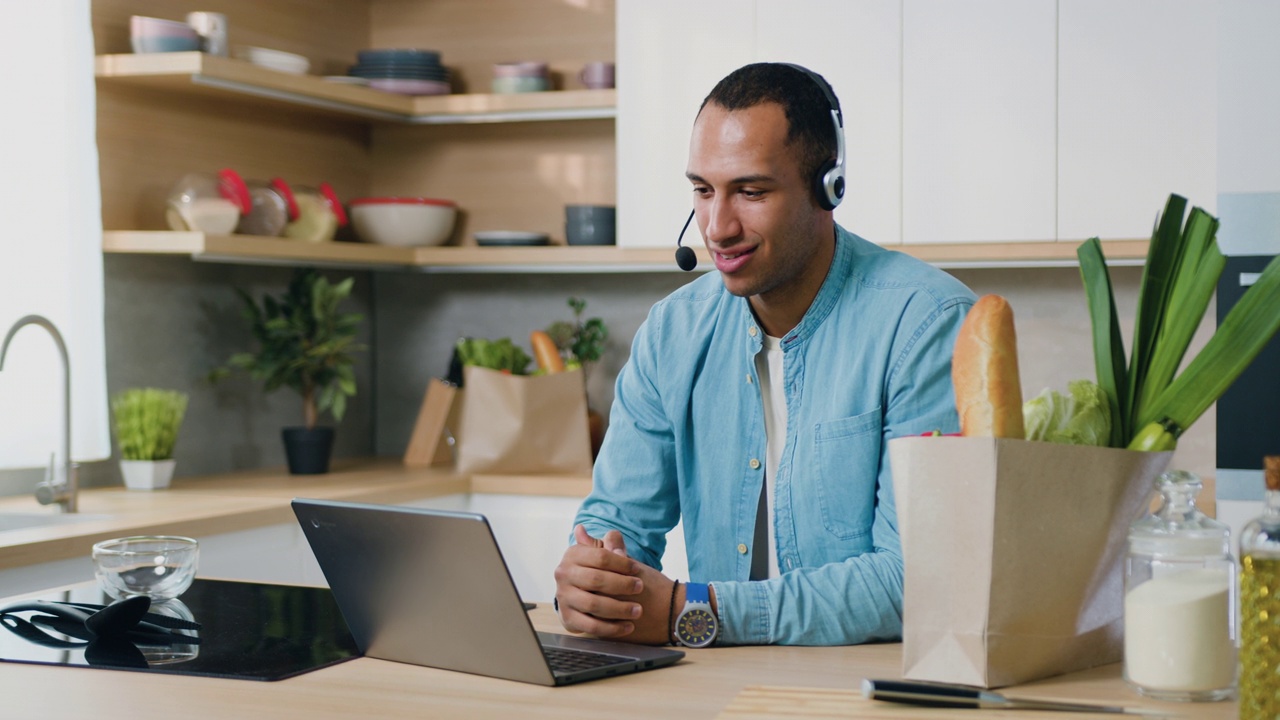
[
  {"x": 1082, "y": 417},
  {"x": 1108, "y": 347},
  {"x": 147, "y": 422},
  {"x": 1181, "y": 274},
  {"x": 1156, "y": 437},
  {"x": 1246, "y": 329},
  {"x": 502, "y": 355}
]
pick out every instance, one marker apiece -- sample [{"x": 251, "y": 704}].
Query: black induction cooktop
[{"x": 248, "y": 631}]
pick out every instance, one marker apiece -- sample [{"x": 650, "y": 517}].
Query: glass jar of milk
[
  {"x": 1180, "y": 599},
  {"x": 208, "y": 203}
]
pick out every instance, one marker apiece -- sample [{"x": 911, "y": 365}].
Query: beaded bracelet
[{"x": 671, "y": 615}]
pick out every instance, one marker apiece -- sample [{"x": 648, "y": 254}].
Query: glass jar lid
[{"x": 1178, "y": 528}]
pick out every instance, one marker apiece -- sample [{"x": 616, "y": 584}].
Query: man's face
[{"x": 755, "y": 209}]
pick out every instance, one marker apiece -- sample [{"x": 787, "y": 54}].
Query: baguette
[
  {"x": 546, "y": 352},
  {"x": 984, "y": 372}
]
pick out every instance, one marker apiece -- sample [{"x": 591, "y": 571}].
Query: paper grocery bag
[
  {"x": 523, "y": 424},
  {"x": 1013, "y": 555}
]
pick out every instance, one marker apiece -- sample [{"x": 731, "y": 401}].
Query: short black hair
[{"x": 806, "y": 107}]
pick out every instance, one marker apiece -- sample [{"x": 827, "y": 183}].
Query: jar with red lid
[
  {"x": 208, "y": 203},
  {"x": 320, "y": 214},
  {"x": 272, "y": 207}
]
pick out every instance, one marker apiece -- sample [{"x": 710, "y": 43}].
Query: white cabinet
[
  {"x": 1138, "y": 109},
  {"x": 986, "y": 121},
  {"x": 670, "y": 54},
  {"x": 1249, "y": 98},
  {"x": 857, "y": 47},
  {"x": 978, "y": 120}
]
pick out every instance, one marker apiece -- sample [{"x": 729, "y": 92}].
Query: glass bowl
[{"x": 158, "y": 566}]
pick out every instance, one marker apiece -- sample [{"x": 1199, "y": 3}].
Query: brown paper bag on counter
[
  {"x": 523, "y": 424},
  {"x": 1013, "y": 555}
]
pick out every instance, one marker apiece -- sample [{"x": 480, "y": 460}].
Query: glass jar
[
  {"x": 1260, "y": 605},
  {"x": 272, "y": 206},
  {"x": 1179, "y": 605},
  {"x": 320, "y": 214},
  {"x": 208, "y": 203}
]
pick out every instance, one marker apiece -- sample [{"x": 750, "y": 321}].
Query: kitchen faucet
[{"x": 54, "y": 489}]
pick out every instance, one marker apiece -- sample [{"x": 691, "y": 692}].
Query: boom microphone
[{"x": 684, "y": 255}]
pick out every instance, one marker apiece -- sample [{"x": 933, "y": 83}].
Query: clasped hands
[{"x": 603, "y": 592}]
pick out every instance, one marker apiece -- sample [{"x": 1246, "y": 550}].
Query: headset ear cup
[{"x": 828, "y": 186}]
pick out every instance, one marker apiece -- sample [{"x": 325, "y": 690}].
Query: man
[{"x": 766, "y": 390}]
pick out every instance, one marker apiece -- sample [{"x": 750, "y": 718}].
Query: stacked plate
[
  {"x": 408, "y": 71},
  {"x": 275, "y": 59}
]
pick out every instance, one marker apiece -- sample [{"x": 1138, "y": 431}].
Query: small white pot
[{"x": 147, "y": 474}]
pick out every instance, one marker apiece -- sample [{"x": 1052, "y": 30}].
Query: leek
[
  {"x": 1180, "y": 277},
  {"x": 1108, "y": 346},
  {"x": 1186, "y": 301},
  {"x": 1163, "y": 260},
  {"x": 1246, "y": 329}
]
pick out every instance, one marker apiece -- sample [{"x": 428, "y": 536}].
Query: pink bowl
[
  {"x": 528, "y": 69},
  {"x": 140, "y": 26},
  {"x": 406, "y": 86}
]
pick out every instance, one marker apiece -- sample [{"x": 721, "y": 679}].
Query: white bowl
[
  {"x": 403, "y": 221},
  {"x": 275, "y": 59}
]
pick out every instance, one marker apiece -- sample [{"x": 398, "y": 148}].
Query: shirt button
[
  {"x": 755, "y": 464},
  {"x": 742, "y": 549},
  {"x": 752, "y": 331},
  {"x": 748, "y": 379}
]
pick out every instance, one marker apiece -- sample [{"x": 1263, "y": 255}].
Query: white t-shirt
[{"x": 772, "y": 385}]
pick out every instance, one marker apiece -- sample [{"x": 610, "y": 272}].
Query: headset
[{"x": 828, "y": 182}]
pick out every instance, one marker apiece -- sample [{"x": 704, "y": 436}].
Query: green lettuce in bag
[{"x": 1082, "y": 417}]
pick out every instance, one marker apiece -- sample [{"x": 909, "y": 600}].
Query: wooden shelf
[
  {"x": 250, "y": 249},
  {"x": 201, "y": 74}
]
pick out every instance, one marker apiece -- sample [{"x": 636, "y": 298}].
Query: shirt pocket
[{"x": 848, "y": 465}]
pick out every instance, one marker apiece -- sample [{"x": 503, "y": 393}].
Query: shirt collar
[{"x": 823, "y": 302}]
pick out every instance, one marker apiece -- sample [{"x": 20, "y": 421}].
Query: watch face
[{"x": 696, "y": 627}]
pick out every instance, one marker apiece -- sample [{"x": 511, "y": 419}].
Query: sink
[{"x": 18, "y": 520}]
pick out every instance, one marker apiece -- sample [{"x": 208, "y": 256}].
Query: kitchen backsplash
[{"x": 170, "y": 320}]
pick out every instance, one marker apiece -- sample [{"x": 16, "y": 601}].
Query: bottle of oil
[{"x": 1260, "y": 606}]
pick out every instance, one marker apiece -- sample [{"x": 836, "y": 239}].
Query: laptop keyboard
[{"x": 564, "y": 661}]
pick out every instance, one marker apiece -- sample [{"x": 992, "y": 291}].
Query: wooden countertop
[
  {"x": 238, "y": 501},
  {"x": 729, "y": 683}
]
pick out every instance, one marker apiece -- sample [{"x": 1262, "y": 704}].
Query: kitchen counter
[
  {"x": 755, "y": 682},
  {"x": 239, "y": 501}
]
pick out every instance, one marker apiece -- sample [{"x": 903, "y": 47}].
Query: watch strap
[{"x": 697, "y": 593}]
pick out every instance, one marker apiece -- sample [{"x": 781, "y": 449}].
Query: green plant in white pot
[{"x": 146, "y": 424}]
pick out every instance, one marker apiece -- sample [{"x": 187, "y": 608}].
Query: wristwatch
[{"x": 697, "y": 626}]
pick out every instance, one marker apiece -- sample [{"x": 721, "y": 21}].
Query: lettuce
[{"x": 1083, "y": 417}]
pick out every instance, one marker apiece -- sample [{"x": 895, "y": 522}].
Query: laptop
[{"x": 430, "y": 587}]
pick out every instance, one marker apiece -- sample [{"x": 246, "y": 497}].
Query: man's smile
[{"x": 731, "y": 262}]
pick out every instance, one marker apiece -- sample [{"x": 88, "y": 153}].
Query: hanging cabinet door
[
  {"x": 978, "y": 116},
  {"x": 1138, "y": 109}
]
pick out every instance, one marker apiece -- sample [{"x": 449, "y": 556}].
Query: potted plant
[
  {"x": 146, "y": 424},
  {"x": 304, "y": 343},
  {"x": 581, "y": 342}
]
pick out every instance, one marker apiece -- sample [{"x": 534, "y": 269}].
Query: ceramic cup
[
  {"x": 212, "y": 29},
  {"x": 597, "y": 75},
  {"x": 590, "y": 224}
]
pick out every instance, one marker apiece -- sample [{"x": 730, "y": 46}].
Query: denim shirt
[{"x": 869, "y": 361}]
